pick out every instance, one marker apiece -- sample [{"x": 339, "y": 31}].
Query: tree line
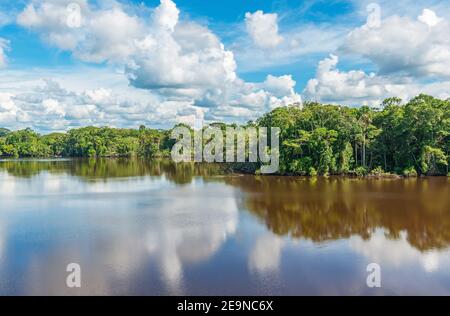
[
  {"x": 86, "y": 142},
  {"x": 316, "y": 139}
]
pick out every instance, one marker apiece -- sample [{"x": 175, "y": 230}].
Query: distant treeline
[
  {"x": 408, "y": 139},
  {"x": 86, "y": 142}
]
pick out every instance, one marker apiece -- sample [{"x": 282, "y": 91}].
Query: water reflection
[
  {"x": 190, "y": 230},
  {"x": 110, "y": 169},
  {"x": 140, "y": 227},
  {"x": 329, "y": 209},
  {"x": 395, "y": 252},
  {"x": 265, "y": 257}
]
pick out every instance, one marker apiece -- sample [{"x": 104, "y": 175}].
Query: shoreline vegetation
[{"x": 398, "y": 140}]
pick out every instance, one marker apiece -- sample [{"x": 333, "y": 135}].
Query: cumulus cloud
[
  {"x": 8, "y": 110},
  {"x": 335, "y": 86},
  {"x": 48, "y": 106},
  {"x": 405, "y": 46},
  {"x": 263, "y": 29},
  {"x": 412, "y": 56},
  {"x": 280, "y": 86},
  {"x": 104, "y": 34},
  {"x": 166, "y": 15},
  {"x": 189, "y": 57},
  {"x": 356, "y": 87},
  {"x": 429, "y": 17},
  {"x": 182, "y": 62},
  {"x": 245, "y": 101}
]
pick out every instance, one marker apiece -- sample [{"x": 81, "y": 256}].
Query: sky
[{"x": 123, "y": 63}]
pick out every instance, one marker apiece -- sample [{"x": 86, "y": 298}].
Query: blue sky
[{"x": 163, "y": 61}]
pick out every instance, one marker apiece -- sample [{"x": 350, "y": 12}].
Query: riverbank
[
  {"x": 220, "y": 168},
  {"x": 376, "y": 173}
]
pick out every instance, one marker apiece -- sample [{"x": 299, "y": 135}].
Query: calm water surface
[{"x": 157, "y": 228}]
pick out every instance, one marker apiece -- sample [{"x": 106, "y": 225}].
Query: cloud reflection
[
  {"x": 116, "y": 230},
  {"x": 265, "y": 256},
  {"x": 396, "y": 252},
  {"x": 190, "y": 229}
]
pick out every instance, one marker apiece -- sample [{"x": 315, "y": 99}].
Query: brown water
[{"x": 156, "y": 228}]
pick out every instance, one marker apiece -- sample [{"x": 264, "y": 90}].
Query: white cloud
[
  {"x": 157, "y": 53},
  {"x": 191, "y": 56},
  {"x": 52, "y": 107},
  {"x": 429, "y": 17},
  {"x": 8, "y": 109},
  {"x": 280, "y": 86},
  {"x": 50, "y": 18},
  {"x": 98, "y": 95},
  {"x": 355, "y": 87},
  {"x": 335, "y": 86},
  {"x": 110, "y": 36},
  {"x": 6, "y": 102},
  {"x": 263, "y": 29},
  {"x": 412, "y": 56},
  {"x": 182, "y": 63},
  {"x": 45, "y": 105},
  {"x": 104, "y": 34},
  {"x": 405, "y": 46},
  {"x": 167, "y": 15},
  {"x": 244, "y": 101}
]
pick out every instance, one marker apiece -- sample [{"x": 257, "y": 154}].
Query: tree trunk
[{"x": 364, "y": 151}]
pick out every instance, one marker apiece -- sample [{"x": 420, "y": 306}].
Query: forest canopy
[{"x": 404, "y": 138}]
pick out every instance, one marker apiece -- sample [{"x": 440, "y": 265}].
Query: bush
[
  {"x": 378, "y": 171},
  {"x": 312, "y": 172},
  {"x": 361, "y": 171},
  {"x": 410, "y": 172}
]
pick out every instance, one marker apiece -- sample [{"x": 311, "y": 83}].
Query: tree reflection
[
  {"x": 330, "y": 209},
  {"x": 88, "y": 169}
]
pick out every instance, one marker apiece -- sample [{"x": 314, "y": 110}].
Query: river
[{"x": 158, "y": 228}]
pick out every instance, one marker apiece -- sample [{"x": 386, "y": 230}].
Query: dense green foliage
[
  {"x": 407, "y": 139},
  {"x": 86, "y": 142}
]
